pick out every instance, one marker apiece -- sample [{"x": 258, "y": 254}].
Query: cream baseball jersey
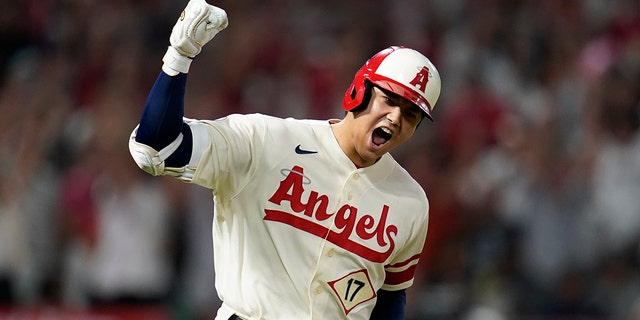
[{"x": 299, "y": 231}]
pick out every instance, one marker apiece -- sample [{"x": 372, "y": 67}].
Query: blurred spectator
[{"x": 532, "y": 166}]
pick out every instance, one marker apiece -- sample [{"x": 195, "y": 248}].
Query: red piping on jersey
[
  {"x": 406, "y": 262},
  {"x": 394, "y": 278}
]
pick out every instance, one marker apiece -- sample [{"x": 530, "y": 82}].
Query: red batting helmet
[{"x": 403, "y": 71}]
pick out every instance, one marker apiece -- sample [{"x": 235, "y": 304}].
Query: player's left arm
[
  {"x": 163, "y": 140},
  {"x": 390, "y": 305},
  {"x": 162, "y": 119}
]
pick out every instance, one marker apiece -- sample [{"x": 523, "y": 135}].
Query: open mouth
[{"x": 381, "y": 136}]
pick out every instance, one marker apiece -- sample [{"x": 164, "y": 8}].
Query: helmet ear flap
[
  {"x": 356, "y": 92},
  {"x": 358, "y": 95},
  {"x": 353, "y": 92},
  {"x": 365, "y": 97}
]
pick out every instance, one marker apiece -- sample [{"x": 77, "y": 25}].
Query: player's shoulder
[
  {"x": 399, "y": 178},
  {"x": 271, "y": 119},
  {"x": 297, "y": 125},
  {"x": 389, "y": 162},
  {"x": 309, "y": 122},
  {"x": 272, "y": 126}
]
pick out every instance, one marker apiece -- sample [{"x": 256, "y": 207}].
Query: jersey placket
[{"x": 328, "y": 263}]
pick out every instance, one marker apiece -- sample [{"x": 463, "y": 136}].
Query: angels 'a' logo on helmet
[{"x": 421, "y": 79}]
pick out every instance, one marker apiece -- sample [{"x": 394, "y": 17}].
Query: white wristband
[{"x": 175, "y": 63}]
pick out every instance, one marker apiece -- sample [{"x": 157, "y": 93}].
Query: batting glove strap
[{"x": 175, "y": 63}]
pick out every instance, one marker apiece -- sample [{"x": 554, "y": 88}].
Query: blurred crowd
[{"x": 532, "y": 166}]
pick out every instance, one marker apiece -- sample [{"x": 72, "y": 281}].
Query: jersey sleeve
[
  {"x": 399, "y": 274},
  {"x": 226, "y": 150}
]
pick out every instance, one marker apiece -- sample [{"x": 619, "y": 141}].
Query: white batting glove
[{"x": 197, "y": 25}]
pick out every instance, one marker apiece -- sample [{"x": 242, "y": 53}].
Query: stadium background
[{"x": 532, "y": 167}]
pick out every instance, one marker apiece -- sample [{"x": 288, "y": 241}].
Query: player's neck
[{"x": 346, "y": 142}]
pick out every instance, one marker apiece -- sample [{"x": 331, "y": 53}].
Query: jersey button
[
  {"x": 330, "y": 253},
  {"x": 319, "y": 289},
  {"x": 350, "y": 196},
  {"x": 356, "y": 176}
]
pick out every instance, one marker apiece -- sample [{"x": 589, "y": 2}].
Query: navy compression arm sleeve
[
  {"x": 161, "y": 121},
  {"x": 390, "y": 305}
]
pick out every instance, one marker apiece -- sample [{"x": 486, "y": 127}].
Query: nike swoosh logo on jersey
[{"x": 303, "y": 151}]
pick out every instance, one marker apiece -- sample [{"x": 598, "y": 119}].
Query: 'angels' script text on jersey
[{"x": 347, "y": 220}]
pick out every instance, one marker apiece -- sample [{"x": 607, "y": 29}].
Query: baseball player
[{"x": 313, "y": 219}]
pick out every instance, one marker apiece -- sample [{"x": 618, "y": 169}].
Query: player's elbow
[{"x": 147, "y": 158}]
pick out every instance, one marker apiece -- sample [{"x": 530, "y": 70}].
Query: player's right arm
[{"x": 163, "y": 140}]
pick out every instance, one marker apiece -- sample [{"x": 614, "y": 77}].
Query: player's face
[{"x": 388, "y": 121}]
